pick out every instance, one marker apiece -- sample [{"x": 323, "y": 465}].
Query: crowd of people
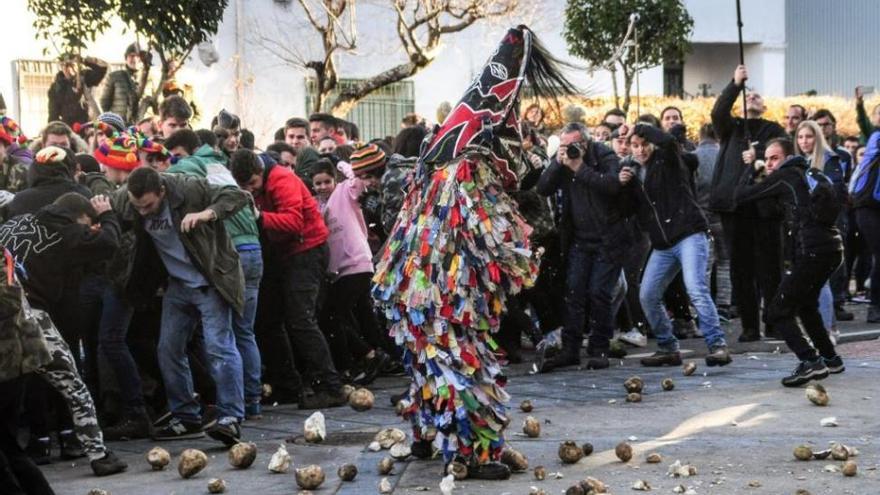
[{"x": 176, "y": 279}]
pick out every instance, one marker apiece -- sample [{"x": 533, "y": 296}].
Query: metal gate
[{"x": 379, "y": 114}]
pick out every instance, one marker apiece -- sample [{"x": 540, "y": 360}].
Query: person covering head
[
  {"x": 10, "y": 132},
  {"x": 119, "y": 154},
  {"x": 367, "y": 158}
]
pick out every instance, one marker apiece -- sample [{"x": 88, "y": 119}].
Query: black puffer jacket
[
  {"x": 812, "y": 215},
  {"x": 667, "y": 206},
  {"x": 731, "y": 136},
  {"x": 591, "y": 197}
]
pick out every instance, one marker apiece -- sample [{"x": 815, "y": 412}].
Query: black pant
[
  {"x": 633, "y": 266},
  {"x": 755, "y": 247},
  {"x": 590, "y": 286},
  {"x": 857, "y": 254},
  {"x": 289, "y": 323},
  {"x": 798, "y": 296},
  {"x": 869, "y": 226},
  {"x": 344, "y": 329},
  {"x": 18, "y": 474}
]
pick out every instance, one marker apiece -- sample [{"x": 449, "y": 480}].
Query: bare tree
[{"x": 420, "y": 26}]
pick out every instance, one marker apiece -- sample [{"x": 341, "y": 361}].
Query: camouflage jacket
[{"x": 13, "y": 175}]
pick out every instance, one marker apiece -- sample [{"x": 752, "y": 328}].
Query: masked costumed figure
[{"x": 458, "y": 249}]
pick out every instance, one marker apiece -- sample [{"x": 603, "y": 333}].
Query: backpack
[{"x": 824, "y": 206}]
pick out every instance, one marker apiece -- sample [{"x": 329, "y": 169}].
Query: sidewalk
[{"x": 735, "y": 424}]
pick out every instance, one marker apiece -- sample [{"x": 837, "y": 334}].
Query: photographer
[
  {"x": 594, "y": 239},
  {"x": 678, "y": 229}
]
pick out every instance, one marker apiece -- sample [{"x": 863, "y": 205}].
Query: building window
[
  {"x": 379, "y": 114},
  {"x": 673, "y": 79}
]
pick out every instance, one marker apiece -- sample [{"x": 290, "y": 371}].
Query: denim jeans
[
  {"x": 826, "y": 305},
  {"x": 689, "y": 256},
  {"x": 243, "y": 324},
  {"x": 182, "y": 309},
  {"x": 590, "y": 280},
  {"x": 106, "y": 315}
]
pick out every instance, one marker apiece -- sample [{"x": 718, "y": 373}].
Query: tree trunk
[
  {"x": 613, "y": 71},
  {"x": 627, "y": 87},
  {"x": 349, "y": 97}
]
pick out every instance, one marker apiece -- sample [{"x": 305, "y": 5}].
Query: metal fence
[{"x": 379, "y": 114}]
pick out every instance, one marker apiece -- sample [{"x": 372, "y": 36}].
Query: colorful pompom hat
[
  {"x": 119, "y": 153},
  {"x": 10, "y": 132}
]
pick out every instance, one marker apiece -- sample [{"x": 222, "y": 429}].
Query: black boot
[
  {"x": 562, "y": 358},
  {"x": 841, "y": 314},
  {"x": 662, "y": 358},
  {"x": 107, "y": 465},
  {"x": 490, "y": 471},
  {"x": 597, "y": 360}
]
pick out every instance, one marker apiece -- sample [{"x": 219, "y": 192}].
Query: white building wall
[{"x": 266, "y": 92}]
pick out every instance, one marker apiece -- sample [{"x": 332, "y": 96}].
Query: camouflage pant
[{"x": 61, "y": 374}]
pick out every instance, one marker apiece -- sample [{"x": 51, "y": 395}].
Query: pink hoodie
[{"x": 349, "y": 251}]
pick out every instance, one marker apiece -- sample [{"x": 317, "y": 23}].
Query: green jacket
[
  {"x": 207, "y": 245},
  {"x": 208, "y": 164},
  {"x": 865, "y": 125}
]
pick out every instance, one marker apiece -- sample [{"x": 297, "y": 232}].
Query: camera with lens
[{"x": 574, "y": 151}]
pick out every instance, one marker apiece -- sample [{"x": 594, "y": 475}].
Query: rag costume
[{"x": 459, "y": 248}]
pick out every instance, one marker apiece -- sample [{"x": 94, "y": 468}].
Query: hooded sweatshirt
[
  {"x": 208, "y": 164},
  {"x": 51, "y": 246},
  {"x": 47, "y": 183},
  {"x": 349, "y": 250}
]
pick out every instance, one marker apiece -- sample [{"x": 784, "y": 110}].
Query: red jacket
[{"x": 289, "y": 215}]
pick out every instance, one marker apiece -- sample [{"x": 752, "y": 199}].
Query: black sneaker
[
  {"x": 718, "y": 356},
  {"x": 369, "y": 369},
  {"x": 228, "y": 432},
  {"x": 489, "y": 471},
  {"x": 806, "y": 371},
  {"x": 39, "y": 450},
  {"x": 873, "y": 314},
  {"x": 662, "y": 358},
  {"x": 749, "y": 336},
  {"x": 842, "y": 314},
  {"x": 130, "y": 428},
  {"x": 107, "y": 465},
  {"x": 834, "y": 365},
  {"x": 597, "y": 361},
  {"x": 163, "y": 420},
  {"x": 71, "y": 448},
  {"x": 558, "y": 360},
  {"x": 176, "y": 429},
  {"x": 323, "y": 399}
]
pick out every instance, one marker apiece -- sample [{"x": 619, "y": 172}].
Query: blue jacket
[{"x": 865, "y": 185}]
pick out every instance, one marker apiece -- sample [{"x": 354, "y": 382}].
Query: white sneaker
[{"x": 633, "y": 337}]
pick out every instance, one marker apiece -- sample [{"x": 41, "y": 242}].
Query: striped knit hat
[
  {"x": 119, "y": 153},
  {"x": 10, "y": 132},
  {"x": 151, "y": 147},
  {"x": 367, "y": 158}
]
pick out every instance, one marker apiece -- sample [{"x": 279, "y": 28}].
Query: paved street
[{"x": 736, "y": 425}]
